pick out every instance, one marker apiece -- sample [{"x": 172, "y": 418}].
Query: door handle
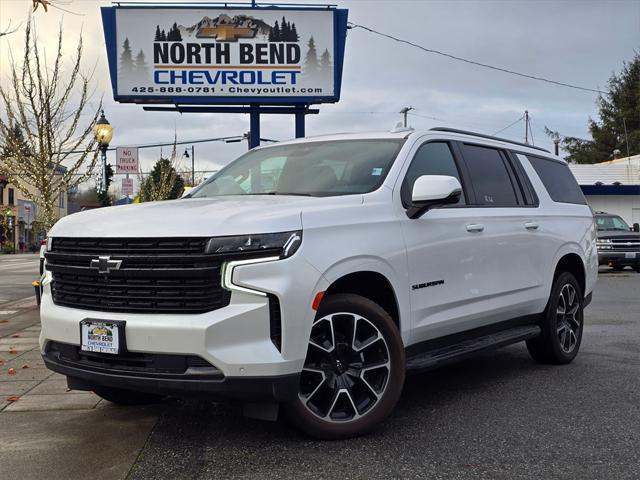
[
  {"x": 531, "y": 226},
  {"x": 475, "y": 227}
]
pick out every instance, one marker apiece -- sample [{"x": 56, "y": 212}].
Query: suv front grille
[
  {"x": 156, "y": 275},
  {"x": 625, "y": 244}
]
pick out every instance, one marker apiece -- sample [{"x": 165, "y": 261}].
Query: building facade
[{"x": 612, "y": 186}]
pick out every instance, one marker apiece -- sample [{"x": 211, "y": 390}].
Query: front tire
[
  {"x": 354, "y": 370},
  {"x": 562, "y": 323},
  {"x": 126, "y": 397}
]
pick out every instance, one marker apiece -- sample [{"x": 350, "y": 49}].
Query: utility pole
[
  {"x": 526, "y": 127},
  {"x": 193, "y": 168},
  {"x": 405, "y": 111},
  {"x": 626, "y": 137}
]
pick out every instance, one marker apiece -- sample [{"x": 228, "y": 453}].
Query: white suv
[{"x": 310, "y": 276}]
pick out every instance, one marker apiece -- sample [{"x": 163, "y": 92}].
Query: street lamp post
[
  {"x": 8, "y": 221},
  {"x": 104, "y": 133},
  {"x": 193, "y": 168}
]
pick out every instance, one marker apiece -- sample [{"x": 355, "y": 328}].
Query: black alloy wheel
[
  {"x": 562, "y": 323},
  {"x": 353, "y": 372}
]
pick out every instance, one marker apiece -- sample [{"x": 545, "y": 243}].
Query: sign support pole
[
  {"x": 254, "y": 127},
  {"x": 300, "y": 119}
]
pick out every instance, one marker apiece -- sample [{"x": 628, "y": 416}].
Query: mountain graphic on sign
[{"x": 225, "y": 28}]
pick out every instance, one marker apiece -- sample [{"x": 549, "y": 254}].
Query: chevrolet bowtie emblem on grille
[{"x": 105, "y": 264}]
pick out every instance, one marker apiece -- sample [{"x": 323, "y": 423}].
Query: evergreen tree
[
  {"x": 103, "y": 197},
  {"x": 141, "y": 65},
  {"x": 294, "y": 33},
  {"x": 158, "y": 36},
  {"x": 174, "y": 34},
  {"x": 163, "y": 36},
  {"x": 311, "y": 59},
  {"x": 620, "y": 105},
  {"x": 325, "y": 63},
  {"x": 274, "y": 34},
  {"x": 126, "y": 59},
  {"x": 163, "y": 182},
  {"x": 284, "y": 30}
]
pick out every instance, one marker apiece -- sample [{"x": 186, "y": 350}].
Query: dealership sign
[{"x": 202, "y": 55}]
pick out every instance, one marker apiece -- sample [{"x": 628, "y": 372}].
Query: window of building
[
  {"x": 558, "y": 180},
  {"x": 10, "y": 195},
  {"x": 433, "y": 158},
  {"x": 61, "y": 200},
  {"x": 490, "y": 176},
  {"x": 1, "y": 195}
]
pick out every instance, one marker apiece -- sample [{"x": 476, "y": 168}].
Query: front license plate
[
  {"x": 631, "y": 255},
  {"x": 104, "y": 336}
]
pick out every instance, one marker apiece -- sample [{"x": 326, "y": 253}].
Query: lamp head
[{"x": 103, "y": 131}]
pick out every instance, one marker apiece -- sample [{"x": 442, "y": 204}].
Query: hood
[
  {"x": 194, "y": 217},
  {"x": 619, "y": 234}
]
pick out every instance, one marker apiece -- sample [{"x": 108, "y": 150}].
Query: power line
[
  {"x": 508, "y": 126},
  {"x": 473, "y": 62}
]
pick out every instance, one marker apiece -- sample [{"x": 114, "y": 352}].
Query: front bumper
[
  {"x": 236, "y": 340},
  {"x": 605, "y": 257},
  {"x": 211, "y": 384}
]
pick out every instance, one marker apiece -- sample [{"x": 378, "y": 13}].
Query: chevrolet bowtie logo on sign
[{"x": 105, "y": 264}]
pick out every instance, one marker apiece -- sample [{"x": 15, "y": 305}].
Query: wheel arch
[{"x": 572, "y": 263}]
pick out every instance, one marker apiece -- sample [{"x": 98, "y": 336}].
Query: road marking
[{"x": 8, "y": 312}]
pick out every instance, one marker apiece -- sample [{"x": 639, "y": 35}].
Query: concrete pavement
[
  {"x": 16, "y": 274},
  {"x": 48, "y": 430}
]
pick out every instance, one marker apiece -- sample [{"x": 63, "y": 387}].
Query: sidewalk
[{"x": 50, "y": 431}]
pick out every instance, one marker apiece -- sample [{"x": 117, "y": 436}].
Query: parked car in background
[{"x": 618, "y": 243}]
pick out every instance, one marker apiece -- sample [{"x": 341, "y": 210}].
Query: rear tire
[
  {"x": 126, "y": 397},
  {"x": 637, "y": 269},
  {"x": 617, "y": 268},
  {"x": 354, "y": 370},
  {"x": 562, "y": 323}
]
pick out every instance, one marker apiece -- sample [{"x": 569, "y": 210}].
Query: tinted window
[
  {"x": 433, "y": 158},
  {"x": 490, "y": 177},
  {"x": 558, "y": 180}
]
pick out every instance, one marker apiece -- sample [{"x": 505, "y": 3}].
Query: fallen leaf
[
  {"x": 4, "y": 321},
  {"x": 12, "y": 398},
  {"x": 25, "y": 366},
  {"x": 15, "y": 336},
  {"x": 12, "y": 351},
  {"x": 11, "y": 371}
]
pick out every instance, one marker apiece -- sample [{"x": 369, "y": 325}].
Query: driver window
[{"x": 433, "y": 158}]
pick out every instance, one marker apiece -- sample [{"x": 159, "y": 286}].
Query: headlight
[
  {"x": 283, "y": 244},
  {"x": 604, "y": 244},
  {"x": 603, "y": 240}
]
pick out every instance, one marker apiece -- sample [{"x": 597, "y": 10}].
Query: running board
[{"x": 460, "y": 351}]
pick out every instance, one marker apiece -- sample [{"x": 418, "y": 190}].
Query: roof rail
[{"x": 490, "y": 137}]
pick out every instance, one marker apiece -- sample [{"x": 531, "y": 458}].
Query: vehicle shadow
[{"x": 217, "y": 434}]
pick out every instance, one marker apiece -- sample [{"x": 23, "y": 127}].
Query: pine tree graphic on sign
[
  {"x": 126, "y": 58},
  {"x": 311, "y": 66}
]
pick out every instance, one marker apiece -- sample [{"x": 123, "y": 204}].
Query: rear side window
[
  {"x": 490, "y": 176},
  {"x": 558, "y": 180}
]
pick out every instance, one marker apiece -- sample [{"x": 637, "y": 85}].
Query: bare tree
[
  {"x": 8, "y": 30},
  {"x": 54, "y": 150}
]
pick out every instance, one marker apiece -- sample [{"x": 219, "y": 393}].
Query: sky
[{"x": 577, "y": 42}]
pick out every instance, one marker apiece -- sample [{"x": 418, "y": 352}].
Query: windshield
[
  {"x": 610, "y": 222},
  {"x": 316, "y": 169}
]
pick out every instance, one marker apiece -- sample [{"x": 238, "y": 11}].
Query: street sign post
[
  {"x": 127, "y": 160},
  {"x": 127, "y": 186}
]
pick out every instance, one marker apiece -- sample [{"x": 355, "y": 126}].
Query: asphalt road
[
  {"x": 498, "y": 416},
  {"x": 16, "y": 274}
]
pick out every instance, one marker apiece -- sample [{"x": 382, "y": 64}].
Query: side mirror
[
  {"x": 433, "y": 190},
  {"x": 636, "y": 227}
]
